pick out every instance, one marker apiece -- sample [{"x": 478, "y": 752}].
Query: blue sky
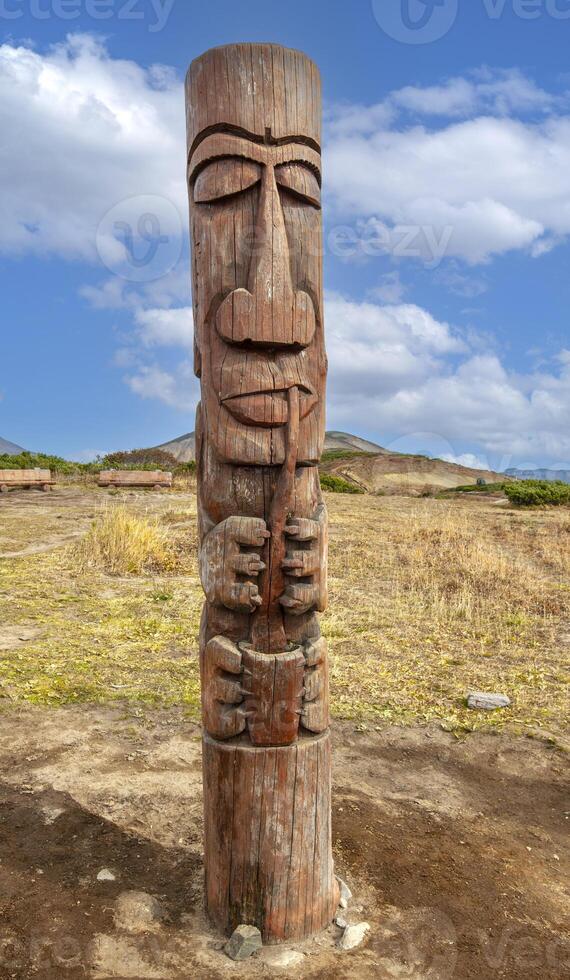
[{"x": 447, "y": 219}]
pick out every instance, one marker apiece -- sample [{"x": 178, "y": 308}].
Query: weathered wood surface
[
  {"x": 254, "y": 179},
  {"x": 26, "y": 478},
  {"x": 135, "y": 478},
  {"x": 267, "y": 837}
]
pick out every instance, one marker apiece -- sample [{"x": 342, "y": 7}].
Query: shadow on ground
[{"x": 454, "y": 851}]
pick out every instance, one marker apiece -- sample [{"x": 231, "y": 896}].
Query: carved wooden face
[{"x": 257, "y": 288}]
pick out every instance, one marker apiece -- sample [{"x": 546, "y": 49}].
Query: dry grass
[
  {"x": 122, "y": 543},
  {"x": 428, "y": 599}
]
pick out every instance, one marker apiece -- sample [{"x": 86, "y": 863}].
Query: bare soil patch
[{"x": 456, "y": 851}]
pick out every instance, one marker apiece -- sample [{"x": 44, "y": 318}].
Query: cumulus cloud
[
  {"x": 394, "y": 369},
  {"x": 165, "y": 328},
  {"x": 471, "y": 460},
  {"x": 374, "y": 348},
  {"x": 81, "y": 132},
  {"x": 413, "y": 383},
  {"x": 500, "y": 92},
  {"x": 178, "y": 389},
  {"x": 495, "y": 169},
  {"x": 498, "y": 184},
  {"x": 485, "y": 156}
]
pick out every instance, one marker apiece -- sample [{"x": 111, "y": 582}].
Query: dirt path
[{"x": 454, "y": 851}]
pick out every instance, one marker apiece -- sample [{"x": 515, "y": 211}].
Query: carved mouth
[{"x": 268, "y": 409}]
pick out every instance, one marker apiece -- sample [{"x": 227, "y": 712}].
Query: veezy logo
[
  {"x": 415, "y": 21},
  {"x": 140, "y": 238}
]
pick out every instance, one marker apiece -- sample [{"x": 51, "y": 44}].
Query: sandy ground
[{"x": 454, "y": 849}]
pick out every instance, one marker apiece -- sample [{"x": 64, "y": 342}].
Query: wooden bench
[
  {"x": 26, "y": 478},
  {"x": 157, "y": 479}
]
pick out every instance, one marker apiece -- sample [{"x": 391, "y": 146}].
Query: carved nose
[{"x": 270, "y": 311}]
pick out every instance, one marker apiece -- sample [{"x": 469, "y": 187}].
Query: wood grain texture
[
  {"x": 134, "y": 478},
  {"x": 26, "y": 478},
  {"x": 254, "y": 186},
  {"x": 268, "y": 837}
]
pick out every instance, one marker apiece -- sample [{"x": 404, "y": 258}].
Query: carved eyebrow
[
  {"x": 266, "y": 140},
  {"x": 219, "y": 145}
]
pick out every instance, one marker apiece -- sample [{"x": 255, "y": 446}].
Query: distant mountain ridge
[
  {"x": 370, "y": 466},
  {"x": 345, "y": 440},
  {"x": 184, "y": 447},
  {"x": 9, "y": 448},
  {"x": 563, "y": 476}
]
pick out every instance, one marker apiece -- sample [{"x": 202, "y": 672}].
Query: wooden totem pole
[{"x": 254, "y": 175}]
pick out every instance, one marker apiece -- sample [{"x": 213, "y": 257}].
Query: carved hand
[
  {"x": 315, "y": 715},
  {"x": 227, "y": 565},
  {"x": 306, "y": 559},
  {"x": 222, "y": 688}
]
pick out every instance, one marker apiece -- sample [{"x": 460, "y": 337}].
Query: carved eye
[
  {"x": 300, "y": 181},
  {"x": 222, "y": 178}
]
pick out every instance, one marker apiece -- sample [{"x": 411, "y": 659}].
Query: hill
[
  {"x": 184, "y": 447},
  {"x": 345, "y": 440},
  {"x": 370, "y": 466},
  {"x": 563, "y": 476},
  {"x": 401, "y": 473},
  {"x": 9, "y": 448}
]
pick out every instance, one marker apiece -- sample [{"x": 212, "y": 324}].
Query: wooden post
[{"x": 254, "y": 176}]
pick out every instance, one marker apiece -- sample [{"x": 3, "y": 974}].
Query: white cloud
[
  {"x": 499, "y": 184},
  {"x": 471, "y": 460},
  {"x": 81, "y": 132},
  {"x": 398, "y": 370},
  {"x": 500, "y": 92},
  {"x": 395, "y": 369},
  {"x": 487, "y": 155},
  {"x": 165, "y": 327},
  {"x": 375, "y": 348},
  {"x": 390, "y": 290},
  {"x": 408, "y": 379},
  {"x": 495, "y": 169},
  {"x": 177, "y": 389}
]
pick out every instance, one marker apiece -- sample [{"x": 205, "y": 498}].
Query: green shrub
[
  {"x": 30, "y": 461},
  {"x": 477, "y": 488},
  {"x": 139, "y": 459},
  {"x": 537, "y": 493},
  {"x": 183, "y": 469},
  {"x": 336, "y": 484}
]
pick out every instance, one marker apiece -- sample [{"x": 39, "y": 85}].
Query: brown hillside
[{"x": 398, "y": 473}]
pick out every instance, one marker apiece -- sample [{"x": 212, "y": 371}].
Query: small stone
[
  {"x": 281, "y": 958},
  {"x": 51, "y": 813},
  {"x": 345, "y": 893},
  {"x": 137, "y": 912},
  {"x": 353, "y": 935},
  {"x": 243, "y": 942},
  {"x": 487, "y": 702},
  {"x": 348, "y": 917},
  {"x": 106, "y": 875}
]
